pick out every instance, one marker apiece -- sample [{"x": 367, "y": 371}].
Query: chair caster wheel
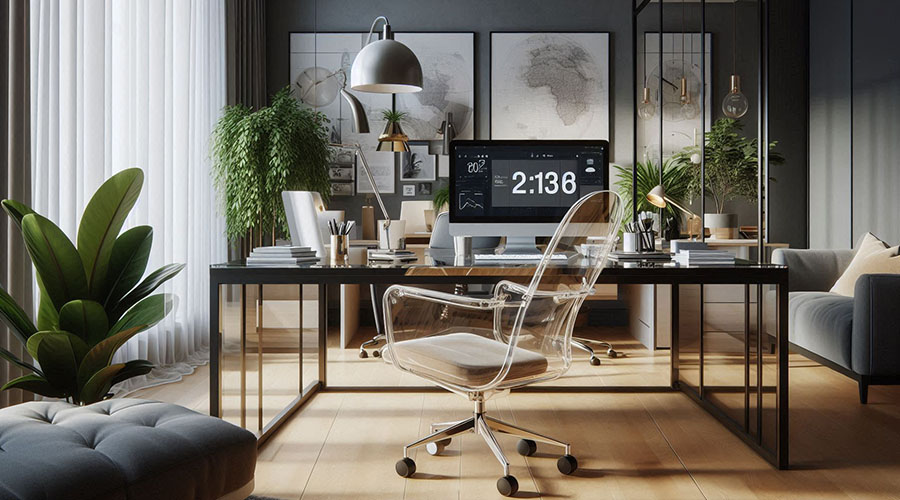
[
  {"x": 612, "y": 354},
  {"x": 437, "y": 447},
  {"x": 376, "y": 353},
  {"x": 526, "y": 447},
  {"x": 405, "y": 467},
  {"x": 567, "y": 464},
  {"x": 363, "y": 354},
  {"x": 507, "y": 486},
  {"x": 595, "y": 361}
]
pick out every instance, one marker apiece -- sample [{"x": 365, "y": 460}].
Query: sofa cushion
[
  {"x": 120, "y": 449},
  {"x": 822, "y": 322}
]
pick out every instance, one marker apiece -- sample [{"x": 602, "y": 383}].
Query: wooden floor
[{"x": 629, "y": 446}]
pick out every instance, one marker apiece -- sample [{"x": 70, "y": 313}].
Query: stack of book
[
  {"x": 391, "y": 255},
  {"x": 704, "y": 258},
  {"x": 281, "y": 256}
]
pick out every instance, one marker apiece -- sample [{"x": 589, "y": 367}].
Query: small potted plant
[
  {"x": 731, "y": 172},
  {"x": 392, "y": 132}
]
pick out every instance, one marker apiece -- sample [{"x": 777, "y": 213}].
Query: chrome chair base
[
  {"x": 485, "y": 426},
  {"x": 583, "y": 344}
]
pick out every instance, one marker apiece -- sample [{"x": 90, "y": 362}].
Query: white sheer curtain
[{"x": 122, "y": 83}]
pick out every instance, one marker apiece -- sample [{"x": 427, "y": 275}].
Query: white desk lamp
[{"x": 657, "y": 197}]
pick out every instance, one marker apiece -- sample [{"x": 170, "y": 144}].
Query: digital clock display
[{"x": 506, "y": 181}]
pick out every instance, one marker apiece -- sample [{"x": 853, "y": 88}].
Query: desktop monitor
[{"x": 521, "y": 189}]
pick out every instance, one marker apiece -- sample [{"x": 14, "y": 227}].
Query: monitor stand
[{"x": 521, "y": 245}]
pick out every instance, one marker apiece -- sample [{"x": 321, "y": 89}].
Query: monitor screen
[{"x": 523, "y": 181}]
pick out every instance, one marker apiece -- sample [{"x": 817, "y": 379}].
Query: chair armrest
[
  {"x": 439, "y": 297},
  {"x": 876, "y": 325},
  {"x": 812, "y": 270}
]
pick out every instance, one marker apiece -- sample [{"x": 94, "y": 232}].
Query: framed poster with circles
[{"x": 681, "y": 57}]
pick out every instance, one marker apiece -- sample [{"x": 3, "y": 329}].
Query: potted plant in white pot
[{"x": 731, "y": 172}]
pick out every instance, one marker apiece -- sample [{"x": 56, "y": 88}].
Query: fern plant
[
  {"x": 92, "y": 296},
  {"x": 257, "y": 155},
  {"x": 393, "y": 116},
  {"x": 676, "y": 180},
  {"x": 441, "y": 198}
]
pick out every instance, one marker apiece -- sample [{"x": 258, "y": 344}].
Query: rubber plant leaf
[
  {"x": 145, "y": 288},
  {"x": 86, "y": 319},
  {"x": 12, "y": 358},
  {"x": 15, "y": 318},
  {"x": 101, "y": 222},
  {"x": 101, "y": 354},
  {"x": 127, "y": 263},
  {"x": 16, "y": 211},
  {"x": 36, "y": 384},
  {"x": 145, "y": 313},
  {"x": 97, "y": 386},
  {"x": 55, "y": 259},
  {"x": 133, "y": 368}
]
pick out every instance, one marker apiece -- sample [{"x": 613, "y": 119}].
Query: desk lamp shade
[
  {"x": 386, "y": 66},
  {"x": 657, "y": 196}
]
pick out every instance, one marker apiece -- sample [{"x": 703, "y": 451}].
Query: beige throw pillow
[{"x": 872, "y": 257}]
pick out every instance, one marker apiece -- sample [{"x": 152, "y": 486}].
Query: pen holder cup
[
  {"x": 630, "y": 242},
  {"x": 340, "y": 249}
]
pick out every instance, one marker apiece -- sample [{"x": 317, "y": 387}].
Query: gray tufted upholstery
[{"x": 120, "y": 449}]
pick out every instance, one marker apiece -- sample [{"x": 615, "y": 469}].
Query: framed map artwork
[{"x": 549, "y": 85}]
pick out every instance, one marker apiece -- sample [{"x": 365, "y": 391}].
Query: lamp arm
[
  {"x": 676, "y": 205},
  {"x": 372, "y": 29},
  {"x": 365, "y": 164}
]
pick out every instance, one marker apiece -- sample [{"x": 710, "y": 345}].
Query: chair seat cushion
[
  {"x": 120, "y": 449},
  {"x": 467, "y": 359},
  {"x": 822, "y": 322}
]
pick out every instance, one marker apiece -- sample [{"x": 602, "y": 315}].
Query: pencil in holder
[{"x": 340, "y": 249}]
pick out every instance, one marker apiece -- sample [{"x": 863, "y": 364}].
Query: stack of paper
[
  {"x": 704, "y": 257},
  {"x": 392, "y": 255},
  {"x": 281, "y": 256}
]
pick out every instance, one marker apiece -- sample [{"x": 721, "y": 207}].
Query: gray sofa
[
  {"x": 858, "y": 336},
  {"x": 122, "y": 449}
]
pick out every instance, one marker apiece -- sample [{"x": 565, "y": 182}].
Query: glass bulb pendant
[
  {"x": 689, "y": 109},
  {"x": 646, "y": 109},
  {"x": 735, "y": 104}
]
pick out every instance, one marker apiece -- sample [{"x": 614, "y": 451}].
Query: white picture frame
[
  {"x": 320, "y": 65},
  {"x": 448, "y": 71},
  {"x": 549, "y": 85},
  {"x": 409, "y": 190},
  {"x": 418, "y": 164}
]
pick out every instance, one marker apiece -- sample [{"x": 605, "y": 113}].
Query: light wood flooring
[{"x": 629, "y": 446}]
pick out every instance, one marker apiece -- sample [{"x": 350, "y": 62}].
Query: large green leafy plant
[
  {"x": 676, "y": 180},
  {"x": 731, "y": 163},
  {"x": 257, "y": 155},
  {"x": 92, "y": 296}
]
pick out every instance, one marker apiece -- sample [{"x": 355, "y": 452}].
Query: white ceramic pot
[{"x": 721, "y": 226}]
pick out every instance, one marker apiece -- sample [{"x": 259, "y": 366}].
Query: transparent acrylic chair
[{"x": 521, "y": 335}]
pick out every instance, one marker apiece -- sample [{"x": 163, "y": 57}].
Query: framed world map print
[
  {"x": 549, "y": 85},
  {"x": 448, "y": 71}
]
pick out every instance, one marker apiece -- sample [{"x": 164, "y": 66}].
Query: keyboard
[{"x": 501, "y": 257}]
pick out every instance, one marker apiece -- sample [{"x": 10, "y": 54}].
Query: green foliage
[
  {"x": 84, "y": 290},
  {"x": 676, "y": 181},
  {"x": 257, "y": 155},
  {"x": 393, "y": 116},
  {"x": 441, "y": 197},
  {"x": 731, "y": 163}
]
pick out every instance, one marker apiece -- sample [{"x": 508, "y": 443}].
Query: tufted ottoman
[{"x": 121, "y": 449}]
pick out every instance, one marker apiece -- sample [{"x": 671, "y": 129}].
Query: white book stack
[
  {"x": 281, "y": 256},
  {"x": 394, "y": 256},
  {"x": 704, "y": 258}
]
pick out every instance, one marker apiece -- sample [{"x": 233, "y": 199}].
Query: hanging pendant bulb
[
  {"x": 735, "y": 104},
  {"x": 646, "y": 109},
  {"x": 689, "y": 110}
]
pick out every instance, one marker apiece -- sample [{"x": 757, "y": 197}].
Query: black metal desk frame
[{"x": 325, "y": 276}]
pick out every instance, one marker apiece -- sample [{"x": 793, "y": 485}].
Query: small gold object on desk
[{"x": 340, "y": 249}]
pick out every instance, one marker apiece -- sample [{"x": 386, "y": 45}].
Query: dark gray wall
[
  {"x": 614, "y": 16},
  {"x": 857, "y": 189}
]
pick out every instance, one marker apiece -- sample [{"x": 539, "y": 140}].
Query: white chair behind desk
[
  {"x": 478, "y": 347},
  {"x": 413, "y": 212}
]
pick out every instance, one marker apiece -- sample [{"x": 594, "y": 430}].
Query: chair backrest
[
  {"x": 442, "y": 240},
  {"x": 537, "y": 317},
  {"x": 413, "y": 212}
]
